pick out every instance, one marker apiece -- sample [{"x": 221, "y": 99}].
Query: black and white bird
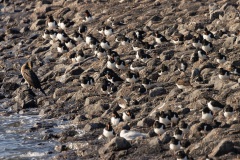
[
  {"x": 62, "y": 48},
  {"x": 62, "y": 36},
  {"x": 207, "y": 114},
  {"x": 112, "y": 54},
  {"x": 181, "y": 155},
  {"x": 82, "y": 29},
  {"x": 173, "y": 116},
  {"x": 93, "y": 43},
  {"x": 159, "y": 38},
  {"x": 228, "y": 111},
  {"x": 139, "y": 35},
  {"x": 202, "y": 55},
  {"x": 65, "y": 23},
  {"x": 52, "y": 24},
  {"x": 223, "y": 74},
  {"x": 214, "y": 105},
  {"x": 177, "y": 38},
  {"x": 184, "y": 127},
  {"x": 100, "y": 52},
  {"x": 175, "y": 144},
  {"x": 182, "y": 65},
  {"x": 87, "y": 81},
  {"x": 122, "y": 39},
  {"x": 197, "y": 41},
  {"x": 114, "y": 78},
  {"x": 142, "y": 56},
  {"x": 77, "y": 37},
  {"x": 77, "y": 56},
  {"x": 105, "y": 44},
  {"x": 204, "y": 128},
  {"x": 221, "y": 58},
  {"x": 159, "y": 128},
  {"x": 146, "y": 83},
  {"x": 53, "y": 35},
  {"x": 142, "y": 90},
  {"x": 164, "y": 118},
  {"x": 108, "y": 31},
  {"x": 116, "y": 118},
  {"x": 178, "y": 134},
  {"x": 88, "y": 17},
  {"x": 234, "y": 70},
  {"x": 108, "y": 87},
  {"x": 132, "y": 77},
  {"x": 128, "y": 115},
  {"x": 70, "y": 43},
  {"x": 108, "y": 131},
  {"x": 89, "y": 38},
  {"x": 120, "y": 64},
  {"x": 207, "y": 46},
  {"x": 46, "y": 34},
  {"x": 164, "y": 70},
  {"x": 137, "y": 66},
  {"x": 207, "y": 35},
  {"x": 111, "y": 63}
]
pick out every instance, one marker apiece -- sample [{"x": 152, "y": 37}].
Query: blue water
[{"x": 16, "y": 142}]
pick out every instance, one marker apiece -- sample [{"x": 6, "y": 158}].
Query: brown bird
[{"x": 31, "y": 77}]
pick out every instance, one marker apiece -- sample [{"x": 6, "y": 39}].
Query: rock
[
  {"x": 224, "y": 147},
  {"x": 92, "y": 126},
  {"x": 43, "y": 8},
  {"x": 9, "y": 87},
  {"x": 76, "y": 71},
  {"x": 215, "y": 15},
  {"x": 29, "y": 104},
  {"x": 24, "y": 29},
  {"x": 91, "y": 100},
  {"x": 79, "y": 118},
  {"x": 157, "y": 92},
  {"x": 155, "y": 142},
  {"x": 13, "y": 31},
  {"x": 37, "y": 24},
  {"x": 166, "y": 138},
  {"x": 145, "y": 122},
  {"x": 229, "y": 42},
  {"x": 116, "y": 144}
]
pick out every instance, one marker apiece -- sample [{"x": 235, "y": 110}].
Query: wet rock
[
  {"x": 116, "y": 144},
  {"x": 145, "y": 122},
  {"x": 60, "y": 148},
  {"x": 92, "y": 126},
  {"x": 157, "y": 92},
  {"x": 79, "y": 119},
  {"x": 224, "y": 147},
  {"x": 66, "y": 155},
  {"x": 8, "y": 88},
  {"x": 29, "y": 104}
]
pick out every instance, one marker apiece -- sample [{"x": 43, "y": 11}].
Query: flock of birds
[{"x": 115, "y": 65}]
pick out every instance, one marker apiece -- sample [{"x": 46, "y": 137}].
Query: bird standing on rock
[{"x": 30, "y": 76}]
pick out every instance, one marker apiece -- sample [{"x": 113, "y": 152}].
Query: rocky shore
[{"x": 89, "y": 109}]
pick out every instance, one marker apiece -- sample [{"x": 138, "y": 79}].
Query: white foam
[{"x": 33, "y": 154}]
